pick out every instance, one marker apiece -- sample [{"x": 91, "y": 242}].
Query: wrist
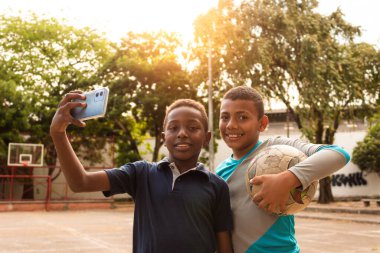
[
  {"x": 290, "y": 180},
  {"x": 57, "y": 134}
]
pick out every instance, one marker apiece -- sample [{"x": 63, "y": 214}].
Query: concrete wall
[{"x": 350, "y": 181}]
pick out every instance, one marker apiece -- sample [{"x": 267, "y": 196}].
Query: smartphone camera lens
[
  {"x": 101, "y": 93},
  {"x": 97, "y": 95}
]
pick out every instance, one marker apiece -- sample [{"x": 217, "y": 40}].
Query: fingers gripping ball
[{"x": 276, "y": 159}]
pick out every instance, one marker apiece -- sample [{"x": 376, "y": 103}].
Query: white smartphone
[{"x": 96, "y": 101}]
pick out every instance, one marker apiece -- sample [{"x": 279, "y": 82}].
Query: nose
[
  {"x": 182, "y": 133},
  {"x": 231, "y": 124}
]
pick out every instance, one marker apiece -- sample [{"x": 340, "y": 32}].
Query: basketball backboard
[{"x": 25, "y": 154}]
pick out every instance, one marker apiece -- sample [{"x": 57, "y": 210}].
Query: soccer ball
[{"x": 276, "y": 159}]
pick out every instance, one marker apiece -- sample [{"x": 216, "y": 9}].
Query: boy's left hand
[{"x": 275, "y": 190}]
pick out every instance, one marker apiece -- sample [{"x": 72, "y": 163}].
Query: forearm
[
  {"x": 320, "y": 162},
  {"x": 320, "y": 165},
  {"x": 71, "y": 167}
]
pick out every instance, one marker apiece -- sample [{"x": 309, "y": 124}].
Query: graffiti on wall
[{"x": 352, "y": 179}]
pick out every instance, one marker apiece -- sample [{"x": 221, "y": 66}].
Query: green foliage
[
  {"x": 366, "y": 153},
  {"x": 289, "y": 52},
  {"x": 42, "y": 59},
  {"x": 46, "y": 59},
  {"x": 13, "y": 117},
  {"x": 146, "y": 77}
]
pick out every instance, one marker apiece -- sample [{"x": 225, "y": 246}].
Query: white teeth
[{"x": 234, "y": 135}]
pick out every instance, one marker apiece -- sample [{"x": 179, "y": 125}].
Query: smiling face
[
  {"x": 184, "y": 136},
  {"x": 240, "y": 126}
]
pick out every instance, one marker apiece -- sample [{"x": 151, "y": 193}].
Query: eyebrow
[
  {"x": 188, "y": 121},
  {"x": 234, "y": 112}
]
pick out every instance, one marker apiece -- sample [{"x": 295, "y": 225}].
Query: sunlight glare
[{"x": 115, "y": 18}]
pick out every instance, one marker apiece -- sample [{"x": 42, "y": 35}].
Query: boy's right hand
[{"x": 62, "y": 117}]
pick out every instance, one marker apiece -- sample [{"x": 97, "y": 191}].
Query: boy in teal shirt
[{"x": 256, "y": 228}]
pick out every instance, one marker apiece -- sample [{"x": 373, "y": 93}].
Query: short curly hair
[
  {"x": 247, "y": 93},
  {"x": 188, "y": 103}
]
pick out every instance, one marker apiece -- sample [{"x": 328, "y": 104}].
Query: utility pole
[
  {"x": 287, "y": 123},
  {"x": 210, "y": 109}
]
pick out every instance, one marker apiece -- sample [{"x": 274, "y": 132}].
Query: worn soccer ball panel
[{"x": 276, "y": 159}]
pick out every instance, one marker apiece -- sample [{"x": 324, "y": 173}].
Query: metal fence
[{"x": 37, "y": 185}]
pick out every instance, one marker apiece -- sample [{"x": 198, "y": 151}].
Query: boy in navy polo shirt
[{"x": 179, "y": 205}]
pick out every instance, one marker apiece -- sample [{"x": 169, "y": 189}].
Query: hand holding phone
[{"x": 96, "y": 101}]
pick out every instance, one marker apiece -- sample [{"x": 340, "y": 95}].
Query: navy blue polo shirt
[{"x": 182, "y": 219}]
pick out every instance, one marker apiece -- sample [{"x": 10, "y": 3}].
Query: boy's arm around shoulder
[{"x": 76, "y": 176}]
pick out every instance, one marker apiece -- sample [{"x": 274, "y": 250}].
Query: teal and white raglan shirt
[{"x": 256, "y": 230}]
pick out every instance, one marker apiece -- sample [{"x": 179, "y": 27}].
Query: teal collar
[{"x": 248, "y": 153}]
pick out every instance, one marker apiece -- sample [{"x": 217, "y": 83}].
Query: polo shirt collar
[{"x": 164, "y": 164}]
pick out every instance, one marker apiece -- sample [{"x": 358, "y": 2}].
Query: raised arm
[{"x": 78, "y": 179}]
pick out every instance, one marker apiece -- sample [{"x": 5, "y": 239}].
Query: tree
[
  {"x": 45, "y": 59},
  {"x": 366, "y": 153},
  {"x": 306, "y": 60},
  {"x": 147, "y": 78}
]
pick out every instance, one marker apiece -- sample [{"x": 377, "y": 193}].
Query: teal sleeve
[{"x": 338, "y": 149}]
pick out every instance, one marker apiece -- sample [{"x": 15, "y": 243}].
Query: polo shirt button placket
[{"x": 176, "y": 182}]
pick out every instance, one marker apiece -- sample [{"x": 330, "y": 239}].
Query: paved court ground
[
  {"x": 110, "y": 231},
  {"x": 97, "y": 231}
]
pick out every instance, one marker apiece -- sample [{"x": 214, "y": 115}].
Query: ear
[
  {"x": 163, "y": 137},
  {"x": 263, "y": 123},
  {"x": 207, "y": 139}
]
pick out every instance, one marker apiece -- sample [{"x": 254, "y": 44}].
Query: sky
[
  {"x": 115, "y": 18},
  {"x": 363, "y": 13}
]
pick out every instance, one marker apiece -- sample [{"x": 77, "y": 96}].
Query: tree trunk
[
  {"x": 132, "y": 143},
  {"x": 158, "y": 141},
  {"x": 157, "y": 146},
  {"x": 325, "y": 193}
]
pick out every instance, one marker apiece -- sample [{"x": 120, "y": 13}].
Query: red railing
[
  {"x": 41, "y": 188},
  {"x": 11, "y": 186}
]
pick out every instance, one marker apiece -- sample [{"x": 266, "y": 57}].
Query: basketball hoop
[{"x": 25, "y": 155}]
